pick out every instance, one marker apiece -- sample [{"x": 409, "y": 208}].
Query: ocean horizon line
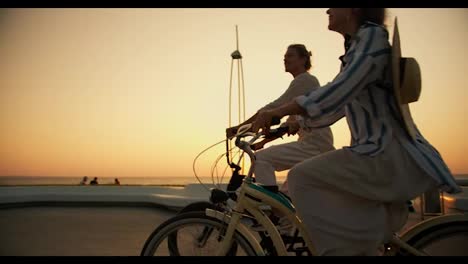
[
  {"x": 109, "y": 180},
  {"x": 126, "y": 180}
]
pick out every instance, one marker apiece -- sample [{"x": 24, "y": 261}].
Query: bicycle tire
[
  {"x": 192, "y": 219},
  {"x": 434, "y": 241},
  {"x": 196, "y": 206},
  {"x": 193, "y": 207},
  {"x": 265, "y": 240}
]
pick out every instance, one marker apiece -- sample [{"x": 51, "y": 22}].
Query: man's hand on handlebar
[
  {"x": 264, "y": 120},
  {"x": 273, "y": 120}
]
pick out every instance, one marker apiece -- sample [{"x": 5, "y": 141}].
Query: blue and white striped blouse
[{"x": 362, "y": 92}]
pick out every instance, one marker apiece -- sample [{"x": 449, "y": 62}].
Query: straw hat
[{"x": 406, "y": 82}]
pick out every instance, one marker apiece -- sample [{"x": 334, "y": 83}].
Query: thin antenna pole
[
  {"x": 239, "y": 92},
  {"x": 243, "y": 89},
  {"x": 241, "y": 78},
  {"x": 230, "y": 107},
  {"x": 230, "y": 93},
  {"x": 237, "y": 39},
  {"x": 236, "y": 55}
]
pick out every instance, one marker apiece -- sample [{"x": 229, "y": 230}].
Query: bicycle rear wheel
[
  {"x": 450, "y": 239},
  {"x": 197, "y": 235}
]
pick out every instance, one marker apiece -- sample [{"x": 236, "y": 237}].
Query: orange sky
[{"x": 140, "y": 92}]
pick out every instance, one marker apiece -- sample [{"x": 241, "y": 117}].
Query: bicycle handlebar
[{"x": 243, "y": 131}]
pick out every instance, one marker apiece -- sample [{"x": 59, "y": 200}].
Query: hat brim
[{"x": 403, "y": 108}]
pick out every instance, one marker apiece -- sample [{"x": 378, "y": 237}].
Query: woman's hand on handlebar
[
  {"x": 274, "y": 134},
  {"x": 259, "y": 145},
  {"x": 293, "y": 126}
]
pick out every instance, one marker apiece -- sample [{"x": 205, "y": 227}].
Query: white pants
[
  {"x": 350, "y": 203},
  {"x": 284, "y": 157}
]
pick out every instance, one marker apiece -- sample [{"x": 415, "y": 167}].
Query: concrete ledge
[
  {"x": 87, "y": 204},
  {"x": 169, "y": 197},
  {"x": 457, "y": 202},
  {"x": 462, "y": 181}
]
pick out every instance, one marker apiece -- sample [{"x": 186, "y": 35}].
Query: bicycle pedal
[
  {"x": 287, "y": 239},
  {"x": 299, "y": 250},
  {"x": 258, "y": 228},
  {"x": 265, "y": 207}
]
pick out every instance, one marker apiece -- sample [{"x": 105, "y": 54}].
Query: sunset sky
[{"x": 140, "y": 92}]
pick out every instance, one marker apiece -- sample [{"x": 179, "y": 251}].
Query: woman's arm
[
  {"x": 365, "y": 67},
  {"x": 299, "y": 86},
  {"x": 367, "y": 61},
  {"x": 264, "y": 118},
  {"x": 324, "y": 121}
]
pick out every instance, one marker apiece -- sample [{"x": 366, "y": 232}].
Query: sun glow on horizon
[{"x": 140, "y": 92}]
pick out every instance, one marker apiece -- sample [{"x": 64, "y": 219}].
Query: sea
[
  {"x": 155, "y": 181},
  {"x": 75, "y": 180}
]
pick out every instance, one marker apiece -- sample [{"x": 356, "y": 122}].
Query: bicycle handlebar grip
[
  {"x": 275, "y": 120},
  {"x": 278, "y": 132}
]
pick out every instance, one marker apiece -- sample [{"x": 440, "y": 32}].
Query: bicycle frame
[{"x": 253, "y": 196}]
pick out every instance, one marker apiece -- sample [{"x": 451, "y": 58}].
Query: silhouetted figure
[
  {"x": 116, "y": 181},
  {"x": 84, "y": 180},
  {"x": 310, "y": 143},
  {"x": 94, "y": 181}
]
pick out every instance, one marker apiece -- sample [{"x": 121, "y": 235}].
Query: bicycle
[
  {"x": 218, "y": 201},
  {"x": 225, "y": 232}
]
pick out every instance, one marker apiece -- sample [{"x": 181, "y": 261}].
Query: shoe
[{"x": 284, "y": 226}]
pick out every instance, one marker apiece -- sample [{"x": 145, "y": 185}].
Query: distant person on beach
[
  {"x": 94, "y": 181},
  {"x": 116, "y": 181},
  {"x": 353, "y": 199},
  {"x": 84, "y": 180},
  {"x": 310, "y": 142}
]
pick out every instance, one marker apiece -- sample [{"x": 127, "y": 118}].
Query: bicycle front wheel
[{"x": 196, "y": 235}]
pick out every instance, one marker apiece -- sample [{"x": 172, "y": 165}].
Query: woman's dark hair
[
  {"x": 374, "y": 15},
  {"x": 303, "y": 53}
]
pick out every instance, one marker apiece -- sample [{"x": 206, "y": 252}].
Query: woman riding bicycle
[{"x": 352, "y": 199}]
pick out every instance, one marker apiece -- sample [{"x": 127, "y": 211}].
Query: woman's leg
[{"x": 343, "y": 198}]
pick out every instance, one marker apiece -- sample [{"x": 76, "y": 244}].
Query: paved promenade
[
  {"x": 81, "y": 230},
  {"x": 92, "y": 221},
  {"x": 77, "y": 231}
]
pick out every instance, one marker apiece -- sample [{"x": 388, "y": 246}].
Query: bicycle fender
[
  {"x": 241, "y": 228},
  {"x": 438, "y": 220}
]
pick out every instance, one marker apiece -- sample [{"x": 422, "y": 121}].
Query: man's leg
[{"x": 279, "y": 158}]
